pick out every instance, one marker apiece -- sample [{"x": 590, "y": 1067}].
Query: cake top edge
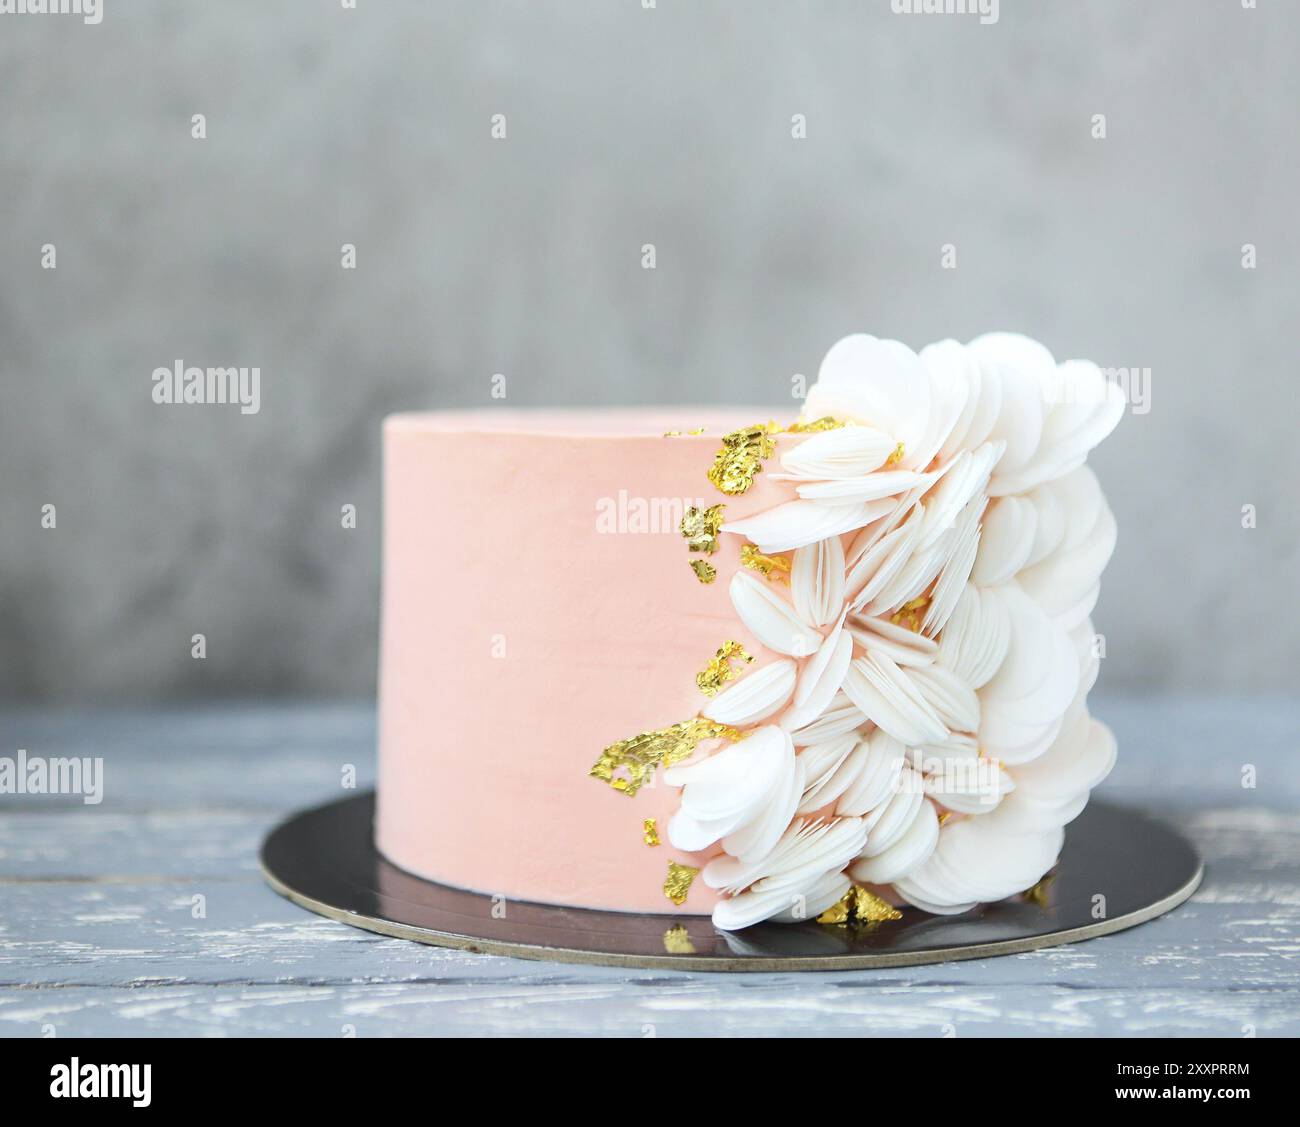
[{"x": 569, "y": 422}]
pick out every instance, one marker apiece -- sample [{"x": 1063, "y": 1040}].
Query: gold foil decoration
[
  {"x": 678, "y": 942},
  {"x": 677, "y": 884},
  {"x": 837, "y": 913},
  {"x": 718, "y": 672},
  {"x": 826, "y": 422},
  {"x": 896, "y": 456},
  {"x": 859, "y": 906},
  {"x": 870, "y": 908},
  {"x": 770, "y": 567},
  {"x": 700, "y": 527},
  {"x": 705, "y": 572},
  {"x": 741, "y": 457},
  {"x": 909, "y": 614},
  {"x": 696, "y": 430},
  {"x": 650, "y": 832},
  {"x": 1040, "y": 894},
  {"x": 678, "y": 433},
  {"x": 637, "y": 758}
]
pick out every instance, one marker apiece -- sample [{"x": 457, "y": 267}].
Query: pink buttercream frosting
[{"x": 521, "y": 636}]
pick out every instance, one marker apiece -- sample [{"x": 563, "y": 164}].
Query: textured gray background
[{"x": 626, "y": 126}]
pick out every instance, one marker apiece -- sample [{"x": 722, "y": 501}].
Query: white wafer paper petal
[
  {"x": 841, "y": 716},
  {"x": 829, "y": 849},
  {"x": 975, "y": 639},
  {"x": 983, "y": 406},
  {"x": 965, "y": 480},
  {"x": 901, "y": 645},
  {"x": 954, "y": 701},
  {"x": 817, "y": 581},
  {"x": 950, "y": 584},
  {"x": 821, "y": 763},
  {"x": 917, "y": 574},
  {"x": 1007, "y": 536},
  {"x": 869, "y": 487},
  {"x": 877, "y": 567},
  {"x": 804, "y": 851},
  {"x": 847, "y": 776},
  {"x": 1079, "y": 760},
  {"x": 955, "y": 571},
  {"x": 757, "y": 837},
  {"x": 1025, "y": 369},
  {"x": 949, "y": 362},
  {"x": 770, "y": 618},
  {"x": 912, "y": 849},
  {"x": 755, "y": 697},
  {"x": 982, "y": 860},
  {"x": 820, "y": 680},
  {"x": 880, "y": 383},
  {"x": 745, "y": 783},
  {"x": 820, "y": 894},
  {"x": 886, "y": 695},
  {"x": 847, "y": 452},
  {"x": 950, "y": 390},
  {"x": 1065, "y": 583},
  {"x": 1040, "y": 674},
  {"x": 969, "y": 786},
  {"x": 734, "y": 778},
  {"x": 1049, "y": 527},
  {"x": 891, "y": 820},
  {"x": 781, "y": 905},
  {"x": 797, "y": 523},
  {"x": 1084, "y": 409},
  {"x": 878, "y": 763}
]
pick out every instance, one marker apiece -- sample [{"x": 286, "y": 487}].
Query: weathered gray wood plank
[
  {"x": 196, "y": 924},
  {"x": 98, "y": 932}
]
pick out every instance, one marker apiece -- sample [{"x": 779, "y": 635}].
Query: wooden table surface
[{"x": 146, "y": 914}]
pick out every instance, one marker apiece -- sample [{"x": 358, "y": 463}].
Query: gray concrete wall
[{"x": 625, "y": 126}]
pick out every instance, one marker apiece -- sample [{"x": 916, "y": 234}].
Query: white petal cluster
[{"x": 920, "y": 724}]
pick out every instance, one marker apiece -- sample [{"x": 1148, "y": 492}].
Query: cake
[{"x": 716, "y": 662}]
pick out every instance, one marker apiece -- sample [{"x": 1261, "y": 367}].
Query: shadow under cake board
[{"x": 325, "y": 860}]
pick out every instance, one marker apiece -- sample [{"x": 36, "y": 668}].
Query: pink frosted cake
[{"x": 686, "y": 661}]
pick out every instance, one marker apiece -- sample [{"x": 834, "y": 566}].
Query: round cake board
[{"x": 1118, "y": 869}]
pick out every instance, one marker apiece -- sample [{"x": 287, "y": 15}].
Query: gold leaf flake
[
  {"x": 696, "y": 430},
  {"x": 700, "y": 527},
  {"x": 909, "y": 614},
  {"x": 650, "y": 832},
  {"x": 837, "y": 913},
  {"x": 826, "y": 422},
  {"x": 870, "y": 908},
  {"x": 896, "y": 456},
  {"x": 705, "y": 572},
  {"x": 636, "y": 759},
  {"x": 718, "y": 672},
  {"x": 771, "y": 567},
  {"x": 672, "y": 434},
  {"x": 677, "y": 884},
  {"x": 678, "y": 942},
  {"x": 741, "y": 457},
  {"x": 1040, "y": 894},
  {"x": 944, "y": 815},
  {"x": 859, "y": 906}
]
